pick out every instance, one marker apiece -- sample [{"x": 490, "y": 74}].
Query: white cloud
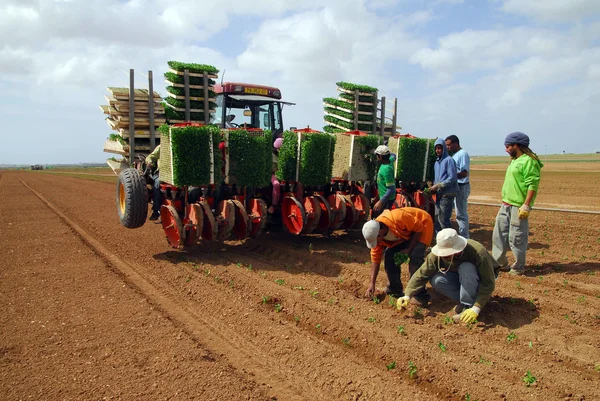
[{"x": 554, "y": 10}]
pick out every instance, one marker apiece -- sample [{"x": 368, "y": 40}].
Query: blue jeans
[
  {"x": 443, "y": 211},
  {"x": 462, "y": 217},
  {"x": 461, "y": 285}
]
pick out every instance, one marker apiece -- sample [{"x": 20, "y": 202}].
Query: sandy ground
[{"x": 95, "y": 311}]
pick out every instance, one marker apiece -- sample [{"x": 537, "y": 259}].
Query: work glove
[
  {"x": 402, "y": 302},
  {"x": 470, "y": 315},
  {"x": 524, "y": 211}
]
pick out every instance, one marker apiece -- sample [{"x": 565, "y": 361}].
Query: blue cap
[{"x": 517, "y": 138}]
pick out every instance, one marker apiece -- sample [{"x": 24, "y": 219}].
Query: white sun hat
[
  {"x": 370, "y": 231},
  {"x": 382, "y": 150},
  {"x": 448, "y": 243}
]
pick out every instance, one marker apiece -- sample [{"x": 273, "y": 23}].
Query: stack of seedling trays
[
  {"x": 198, "y": 97},
  {"x": 415, "y": 158},
  {"x": 353, "y": 159},
  {"x": 118, "y": 112},
  {"x": 190, "y": 155},
  {"x": 248, "y": 158},
  {"x": 306, "y": 156},
  {"x": 355, "y": 108}
]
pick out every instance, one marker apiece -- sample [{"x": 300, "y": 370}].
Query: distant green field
[{"x": 569, "y": 158}]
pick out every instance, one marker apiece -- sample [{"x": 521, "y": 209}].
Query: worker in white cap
[
  {"x": 460, "y": 269},
  {"x": 408, "y": 230}
]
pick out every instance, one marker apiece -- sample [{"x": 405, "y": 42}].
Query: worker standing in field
[
  {"x": 463, "y": 166},
  {"x": 386, "y": 184},
  {"x": 152, "y": 163},
  {"x": 460, "y": 269},
  {"x": 519, "y": 190},
  {"x": 408, "y": 230},
  {"x": 444, "y": 186}
]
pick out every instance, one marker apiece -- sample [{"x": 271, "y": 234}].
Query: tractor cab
[{"x": 248, "y": 106}]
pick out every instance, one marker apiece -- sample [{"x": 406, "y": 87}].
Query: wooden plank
[
  {"x": 141, "y": 120},
  {"x": 341, "y": 118},
  {"x": 191, "y": 110},
  {"x": 352, "y": 102},
  {"x": 193, "y": 98},
  {"x": 123, "y": 93},
  {"x": 351, "y": 92},
  {"x": 366, "y": 113},
  {"x": 210, "y": 87},
  {"x": 193, "y": 74}
]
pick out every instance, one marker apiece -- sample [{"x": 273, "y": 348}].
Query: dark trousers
[
  {"x": 156, "y": 194},
  {"x": 387, "y": 206},
  {"x": 417, "y": 257}
]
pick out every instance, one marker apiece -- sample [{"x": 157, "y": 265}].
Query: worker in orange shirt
[{"x": 408, "y": 230}]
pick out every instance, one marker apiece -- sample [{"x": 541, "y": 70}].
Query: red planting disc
[
  {"x": 338, "y": 209},
  {"x": 209, "y": 224},
  {"x": 293, "y": 215},
  {"x": 257, "y": 216},
  {"x": 193, "y": 223},
  {"x": 225, "y": 219},
  {"x": 313, "y": 214},
  {"x": 363, "y": 208},
  {"x": 241, "y": 226},
  {"x": 351, "y": 214},
  {"x": 172, "y": 226},
  {"x": 326, "y": 214}
]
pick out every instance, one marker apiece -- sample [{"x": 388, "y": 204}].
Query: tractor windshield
[{"x": 248, "y": 111}]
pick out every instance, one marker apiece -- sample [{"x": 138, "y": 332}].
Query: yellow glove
[
  {"x": 524, "y": 212},
  {"x": 402, "y": 302},
  {"x": 470, "y": 315}
]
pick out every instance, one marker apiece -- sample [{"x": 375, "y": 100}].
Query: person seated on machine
[
  {"x": 276, "y": 194},
  {"x": 152, "y": 164}
]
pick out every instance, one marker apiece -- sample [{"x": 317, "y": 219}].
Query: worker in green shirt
[
  {"x": 519, "y": 190},
  {"x": 386, "y": 184},
  {"x": 458, "y": 268}
]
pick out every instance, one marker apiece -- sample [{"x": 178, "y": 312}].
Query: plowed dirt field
[{"x": 92, "y": 310}]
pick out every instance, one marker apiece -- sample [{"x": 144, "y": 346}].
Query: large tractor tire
[{"x": 132, "y": 198}]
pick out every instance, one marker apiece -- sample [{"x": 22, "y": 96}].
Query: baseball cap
[{"x": 370, "y": 231}]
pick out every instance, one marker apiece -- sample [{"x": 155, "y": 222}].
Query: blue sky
[{"x": 479, "y": 69}]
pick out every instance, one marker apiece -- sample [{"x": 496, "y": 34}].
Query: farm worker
[
  {"x": 276, "y": 194},
  {"x": 463, "y": 165},
  {"x": 152, "y": 163},
  {"x": 408, "y": 230},
  {"x": 458, "y": 268},
  {"x": 518, "y": 194},
  {"x": 445, "y": 185},
  {"x": 386, "y": 184}
]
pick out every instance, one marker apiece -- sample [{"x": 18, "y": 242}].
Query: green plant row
[
  {"x": 174, "y": 115},
  {"x": 431, "y": 163},
  {"x": 193, "y": 67},
  {"x": 190, "y": 152},
  {"x": 178, "y": 79},
  {"x": 117, "y": 138},
  {"x": 411, "y": 159},
  {"x": 350, "y": 116},
  {"x": 250, "y": 158},
  {"x": 352, "y": 87},
  {"x": 193, "y": 92},
  {"x": 316, "y": 158},
  {"x": 348, "y": 96},
  {"x": 330, "y": 129},
  {"x": 348, "y": 106},
  {"x": 364, "y": 127},
  {"x": 180, "y": 103}
]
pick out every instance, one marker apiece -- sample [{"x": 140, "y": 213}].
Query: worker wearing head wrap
[{"x": 519, "y": 190}]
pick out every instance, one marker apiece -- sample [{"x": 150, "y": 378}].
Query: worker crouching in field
[
  {"x": 408, "y": 230},
  {"x": 460, "y": 269}
]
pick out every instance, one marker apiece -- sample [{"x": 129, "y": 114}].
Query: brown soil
[{"x": 93, "y": 310}]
